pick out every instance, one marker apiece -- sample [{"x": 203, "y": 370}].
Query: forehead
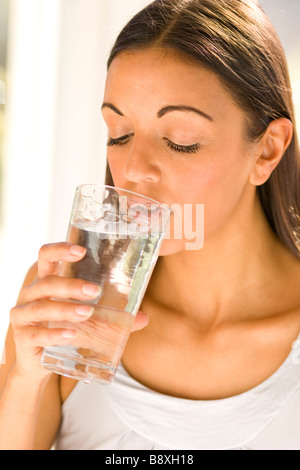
[{"x": 163, "y": 77}]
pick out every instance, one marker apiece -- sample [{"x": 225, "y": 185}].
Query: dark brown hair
[{"x": 236, "y": 40}]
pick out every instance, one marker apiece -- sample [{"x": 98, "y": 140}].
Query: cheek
[
  {"x": 223, "y": 191},
  {"x": 117, "y": 170},
  {"x": 219, "y": 186},
  {"x": 197, "y": 182}
]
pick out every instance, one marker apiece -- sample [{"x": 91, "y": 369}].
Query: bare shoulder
[
  {"x": 291, "y": 287},
  {"x": 284, "y": 312},
  {"x": 67, "y": 385}
]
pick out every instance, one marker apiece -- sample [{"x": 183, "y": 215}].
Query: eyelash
[
  {"x": 119, "y": 141},
  {"x": 177, "y": 148},
  {"x": 183, "y": 148}
]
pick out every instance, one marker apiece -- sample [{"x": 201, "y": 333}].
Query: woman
[{"x": 199, "y": 111}]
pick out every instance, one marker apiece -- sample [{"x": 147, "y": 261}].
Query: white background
[{"x": 55, "y": 137}]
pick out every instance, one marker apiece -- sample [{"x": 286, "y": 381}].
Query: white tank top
[{"x": 126, "y": 415}]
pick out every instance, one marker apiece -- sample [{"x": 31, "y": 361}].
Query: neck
[{"x": 228, "y": 278}]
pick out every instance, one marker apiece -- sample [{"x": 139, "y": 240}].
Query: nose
[{"x": 141, "y": 167}]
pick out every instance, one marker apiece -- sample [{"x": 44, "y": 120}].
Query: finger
[
  {"x": 51, "y": 253},
  {"x": 46, "y": 310},
  {"x": 59, "y": 287},
  {"x": 31, "y": 338},
  {"x": 141, "y": 320}
]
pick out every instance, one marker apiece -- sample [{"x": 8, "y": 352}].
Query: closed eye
[
  {"x": 182, "y": 148},
  {"x": 119, "y": 140},
  {"x": 176, "y": 147}
]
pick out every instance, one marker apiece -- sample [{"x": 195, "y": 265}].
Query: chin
[{"x": 171, "y": 247}]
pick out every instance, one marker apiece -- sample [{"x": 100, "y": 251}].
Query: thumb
[{"x": 141, "y": 320}]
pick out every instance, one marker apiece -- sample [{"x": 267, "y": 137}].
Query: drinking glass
[{"x": 122, "y": 232}]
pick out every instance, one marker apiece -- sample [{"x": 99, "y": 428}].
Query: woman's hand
[{"x": 36, "y": 307}]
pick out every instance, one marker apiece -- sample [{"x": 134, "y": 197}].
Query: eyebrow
[
  {"x": 188, "y": 109},
  {"x": 111, "y": 106},
  {"x": 165, "y": 110}
]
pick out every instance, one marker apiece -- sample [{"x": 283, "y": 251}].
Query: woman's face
[{"x": 176, "y": 135}]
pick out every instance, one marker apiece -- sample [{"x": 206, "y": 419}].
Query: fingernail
[
  {"x": 77, "y": 250},
  {"x": 91, "y": 290},
  {"x": 84, "y": 310}
]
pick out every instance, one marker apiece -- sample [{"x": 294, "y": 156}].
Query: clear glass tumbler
[{"x": 122, "y": 232}]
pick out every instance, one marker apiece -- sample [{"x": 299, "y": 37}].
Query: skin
[
  {"x": 243, "y": 280},
  {"x": 228, "y": 312}
]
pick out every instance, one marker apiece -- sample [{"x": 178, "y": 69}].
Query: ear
[{"x": 272, "y": 146}]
